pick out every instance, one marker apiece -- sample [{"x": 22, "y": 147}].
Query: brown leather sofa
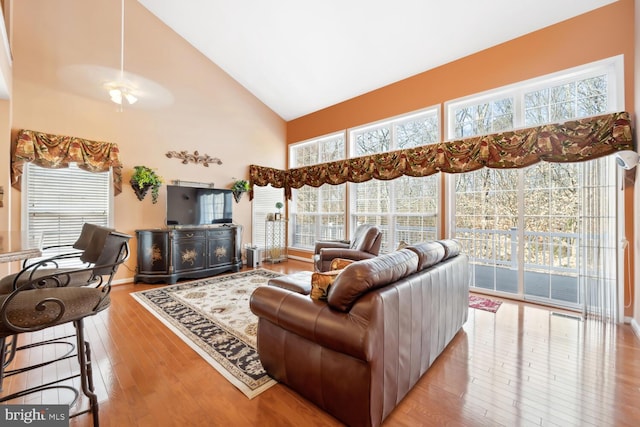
[
  {"x": 365, "y": 244},
  {"x": 385, "y": 321}
]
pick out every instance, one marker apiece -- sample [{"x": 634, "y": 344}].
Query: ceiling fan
[{"x": 123, "y": 88}]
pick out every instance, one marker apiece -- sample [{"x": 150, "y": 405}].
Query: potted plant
[
  {"x": 239, "y": 187},
  {"x": 279, "y": 206},
  {"x": 143, "y": 179}
]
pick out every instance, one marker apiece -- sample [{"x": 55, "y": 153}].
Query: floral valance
[
  {"x": 56, "y": 151},
  {"x": 572, "y": 141}
]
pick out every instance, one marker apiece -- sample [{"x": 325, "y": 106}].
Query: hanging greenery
[
  {"x": 238, "y": 188},
  {"x": 143, "y": 179}
]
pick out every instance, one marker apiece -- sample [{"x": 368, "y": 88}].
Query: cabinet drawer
[
  {"x": 219, "y": 233},
  {"x": 189, "y": 234}
]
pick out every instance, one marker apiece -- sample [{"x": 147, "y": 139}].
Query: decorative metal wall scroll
[{"x": 196, "y": 158}]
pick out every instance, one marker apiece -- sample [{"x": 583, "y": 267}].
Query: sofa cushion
[
  {"x": 429, "y": 253},
  {"x": 299, "y": 282},
  {"x": 362, "y": 276},
  {"x": 451, "y": 248}
]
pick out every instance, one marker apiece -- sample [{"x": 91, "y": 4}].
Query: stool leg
[
  {"x": 86, "y": 372},
  {"x": 7, "y": 352}
]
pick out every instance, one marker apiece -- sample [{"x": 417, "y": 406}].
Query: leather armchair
[{"x": 365, "y": 244}]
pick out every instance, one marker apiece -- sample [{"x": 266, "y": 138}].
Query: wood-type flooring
[{"x": 523, "y": 366}]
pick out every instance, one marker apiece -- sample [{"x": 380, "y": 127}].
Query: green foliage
[
  {"x": 144, "y": 176},
  {"x": 279, "y": 205},
  {"x": 240, "y": 185}
]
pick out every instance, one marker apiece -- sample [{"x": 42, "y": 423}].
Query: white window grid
[
  {"x": 549, "y": 99},
  {"x": 397, "y": 206},
  {"x": 317, "y": 213}
]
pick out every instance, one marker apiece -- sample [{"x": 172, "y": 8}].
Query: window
[
  {"x": 59, "y": 201},
  {"x": 405, "y": 209},
  {"x": 484, "y": 118},
  {"x": 525, "y": 229},
  {"x": 317, "y": 213},
  {"x": 264, "y": 203}
]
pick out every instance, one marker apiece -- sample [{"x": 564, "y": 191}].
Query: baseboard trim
[
  {"x": 125, "y": 281},
  {"x": 299, "y": 258},
  {"x": 636, "y": 327}
]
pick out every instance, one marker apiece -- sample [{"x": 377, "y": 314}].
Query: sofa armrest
[
  {"x": 322, "y": 244},
  {"x": 313, "y": 320}
]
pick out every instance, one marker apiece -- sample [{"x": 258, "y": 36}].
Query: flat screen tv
[{"x": 198, "y": 206}]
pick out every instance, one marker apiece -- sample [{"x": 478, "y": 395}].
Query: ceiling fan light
[
  {"x": 131, "y": 99},
  {"x": 116, "y": 95}
]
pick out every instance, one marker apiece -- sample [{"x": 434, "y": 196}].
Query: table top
[{"x": 19, "y": 245}]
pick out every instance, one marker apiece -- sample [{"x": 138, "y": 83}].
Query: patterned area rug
[
  {"x": 485, "y": 304},
  {"x": 213, "y": 317}
]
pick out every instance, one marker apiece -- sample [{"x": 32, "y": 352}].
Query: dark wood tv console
[{"x": 168, "y": 255}]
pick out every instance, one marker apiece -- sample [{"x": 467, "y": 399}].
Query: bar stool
[{"x": 55, "y": 299}]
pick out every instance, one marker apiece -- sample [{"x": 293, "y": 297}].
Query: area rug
[
  {"x": 485, "y": 304},
  {"x": 213, "y": 317}
]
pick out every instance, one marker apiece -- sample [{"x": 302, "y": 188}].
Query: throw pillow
[
  {"x": 321, "y": 282},
  {"x": 340, "y": 263}
]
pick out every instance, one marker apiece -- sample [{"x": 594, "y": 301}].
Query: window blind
[
  {"x": 264, "y": 203},
  {"x": 59, "y": 201}
]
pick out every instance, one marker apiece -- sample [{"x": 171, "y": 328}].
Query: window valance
[
  {"x": 572, "y": 141},
  {"x": 56, "y": 151}
]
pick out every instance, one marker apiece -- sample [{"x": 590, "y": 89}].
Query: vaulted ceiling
[{"x": 300, "y": 56}]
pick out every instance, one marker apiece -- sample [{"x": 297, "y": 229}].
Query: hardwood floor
[{"x": 523, "y": 366}]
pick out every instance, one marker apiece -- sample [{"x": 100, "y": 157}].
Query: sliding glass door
[
  {"x": 551, "y": 224},
  {"x": 486, "y": 222},
  {"x": 546, "y": 232}
]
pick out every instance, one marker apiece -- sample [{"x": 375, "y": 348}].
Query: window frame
[
  {"x": 391, "y": 231},
  {"x": 63, "y": 238},
  {"x": 293, "y": 205},
  {"x": 613, "y": 69},
  {"x": 263, "y": 203},
  {"x": 350, "y": 219}
]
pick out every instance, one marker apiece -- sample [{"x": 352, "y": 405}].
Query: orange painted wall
[
  {"x": 210, "y": 112},
  {"x": 600, "y": 34}
]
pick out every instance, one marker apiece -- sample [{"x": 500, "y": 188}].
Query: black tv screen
[{"x": 198, "y": 206}]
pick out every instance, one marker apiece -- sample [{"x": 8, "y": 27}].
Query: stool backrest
[{"x": 86, "y": 235}]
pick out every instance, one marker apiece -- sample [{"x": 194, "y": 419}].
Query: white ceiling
[{"x": 300, "y": 56}]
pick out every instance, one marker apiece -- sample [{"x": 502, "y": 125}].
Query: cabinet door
[
  {"x": 221, "y": 247},
  {"x": 189, "y": 250},
  {"x": 153, "y": 252}
]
